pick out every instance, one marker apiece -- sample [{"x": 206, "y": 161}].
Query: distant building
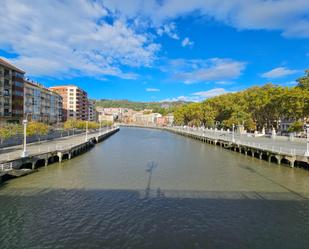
[
  {"x": 161, "y": 121},
  {"x": 42, "y": 104},
  {"x": 167, "y": 120},
  {"x": 146, "y": 119},
  {"x": 170, "y": 119},
  {"x": 93, "y": 114},
  {"x": 106, "y": 117},
  {"x": 11, "y": 92},
  {"x": 75, "y": 102},
  {"x": 110, "y": 114}
]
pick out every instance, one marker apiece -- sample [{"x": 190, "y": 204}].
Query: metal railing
[{"x": 227, "y": 136}]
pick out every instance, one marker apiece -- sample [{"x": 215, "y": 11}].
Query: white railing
[
  {"x": 66, "y": 144},
  {"x": 227, "y": 136}
]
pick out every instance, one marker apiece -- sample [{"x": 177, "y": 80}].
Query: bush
[
  {"x": 81, "y": 124},
  {"x": 297, "y": 126},
  {"x": 9, "y": 130},
  {"x": 37, "y": 128}
]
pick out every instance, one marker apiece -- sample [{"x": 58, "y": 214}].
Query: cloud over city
[{"x": 279, "y": 72}]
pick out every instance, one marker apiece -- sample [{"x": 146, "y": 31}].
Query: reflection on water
[
  {"x": 150, "y": 167},
  {"x": 198, "y": 196}
]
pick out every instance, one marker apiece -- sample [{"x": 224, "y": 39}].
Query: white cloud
[
  {"x": 210, "y": 93},
  {"x": 279, "y": 72},
  {"x": 168, "y": 29},
  {"x": 288, "y": 17},
  {"x": 223, "y": 82},
  {"x": 198, "y": 96},
  {"x": 187, "y": 42},
  {"x": 71, "y": 38},
  {"x": 213, "y": 69},
  {"x": 152, "y": 90}
]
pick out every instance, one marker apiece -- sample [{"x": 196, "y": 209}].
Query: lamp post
[
  {"x": 217, "y": 123},
  {"x": 86, "y": 137},
  {"x": 307, "y": 130},
  {"x": 25, "y": 122},
  {"x": 233, "y": 134}
]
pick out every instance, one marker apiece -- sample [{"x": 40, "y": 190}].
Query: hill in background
[{"x": 159, "y": 107}]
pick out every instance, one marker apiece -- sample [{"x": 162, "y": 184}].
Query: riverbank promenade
[
  {"x": 50, "y": 151},
  {"x": 277, "y": 149}
]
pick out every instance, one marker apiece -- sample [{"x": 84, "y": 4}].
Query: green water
[{"x": 199, "y": 196}]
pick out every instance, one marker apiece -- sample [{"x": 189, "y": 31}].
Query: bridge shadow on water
[{"x": 98, "y": 218}]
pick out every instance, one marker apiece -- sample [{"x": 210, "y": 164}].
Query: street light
[
  {"x": 217, "y": 123},
  {"x": 307, "y": 129},
  {"x": 86, "y": 137},
  {"x": 233, "y": 134},
  {"x": 25, "y": 122}
]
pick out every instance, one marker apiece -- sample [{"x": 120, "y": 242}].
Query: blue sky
[{"x": 157, "y": 50}]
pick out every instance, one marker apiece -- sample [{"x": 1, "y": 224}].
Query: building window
[{"x": 6, "y": 92}]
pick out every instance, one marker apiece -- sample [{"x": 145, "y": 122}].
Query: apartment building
[
  {"x": 93, "y": 114},
  {"x": 146, "y": 119},
  {"x": 75, "y": 102},
  {"x": 42, "y": 104},
  {"x": 11, "y": 92}
]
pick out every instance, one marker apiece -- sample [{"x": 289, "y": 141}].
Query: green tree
[
  {"x": 297, "y": 126},
  {"x": 9, "y": 130},
  {"x": 70, "y": 124},
  {"x": 179, "y": 116},
  {"x": 37, "y": 128},
  {"x": 303, "y": 82}
]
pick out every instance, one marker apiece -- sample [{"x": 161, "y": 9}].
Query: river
[{"x": 196, "y": 196}]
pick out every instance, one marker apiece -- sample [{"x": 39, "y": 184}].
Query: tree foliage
[
  {"x": 37, "y": 128},
  {"x": 9, "y": 130},
  {"x": 303, "y": 82},
  {"x": 297, "y": 126},
  {"x": 81, "y": 124},
  {"x": 254, "y": 108}
]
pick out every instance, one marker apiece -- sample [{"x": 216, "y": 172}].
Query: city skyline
[{"x": 157, "y": 50}]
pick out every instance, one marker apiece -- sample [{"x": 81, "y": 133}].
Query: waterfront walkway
[
  {"x": 294, "y": 146},
  {"x": 11, "y": 157}
]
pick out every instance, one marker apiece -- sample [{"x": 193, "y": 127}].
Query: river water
[{"x": 196, "y": 196}]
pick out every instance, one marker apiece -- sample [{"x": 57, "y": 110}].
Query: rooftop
[
  {"x": 7, "y": 64},
  {"x": 66, "y": 86}
]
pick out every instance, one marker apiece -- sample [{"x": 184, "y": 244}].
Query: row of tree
[
  {"x": 255, "y": 108},
  {"x": 38, "y": 128},
  {"x": 33, "y": 128},
  {"x": 81, "y": 124}
]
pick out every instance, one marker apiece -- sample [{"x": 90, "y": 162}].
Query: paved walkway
[
  {"x": 47, "y": 146},
  {"x": 282, "y": 145}
]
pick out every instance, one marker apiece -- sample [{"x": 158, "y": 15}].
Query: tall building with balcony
[
  {"x": 75, "y": 102},
  {"x": 11, "y": 92},
  {"x": 93, "y": 114},
  {"x": 42, "y": 104}
]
